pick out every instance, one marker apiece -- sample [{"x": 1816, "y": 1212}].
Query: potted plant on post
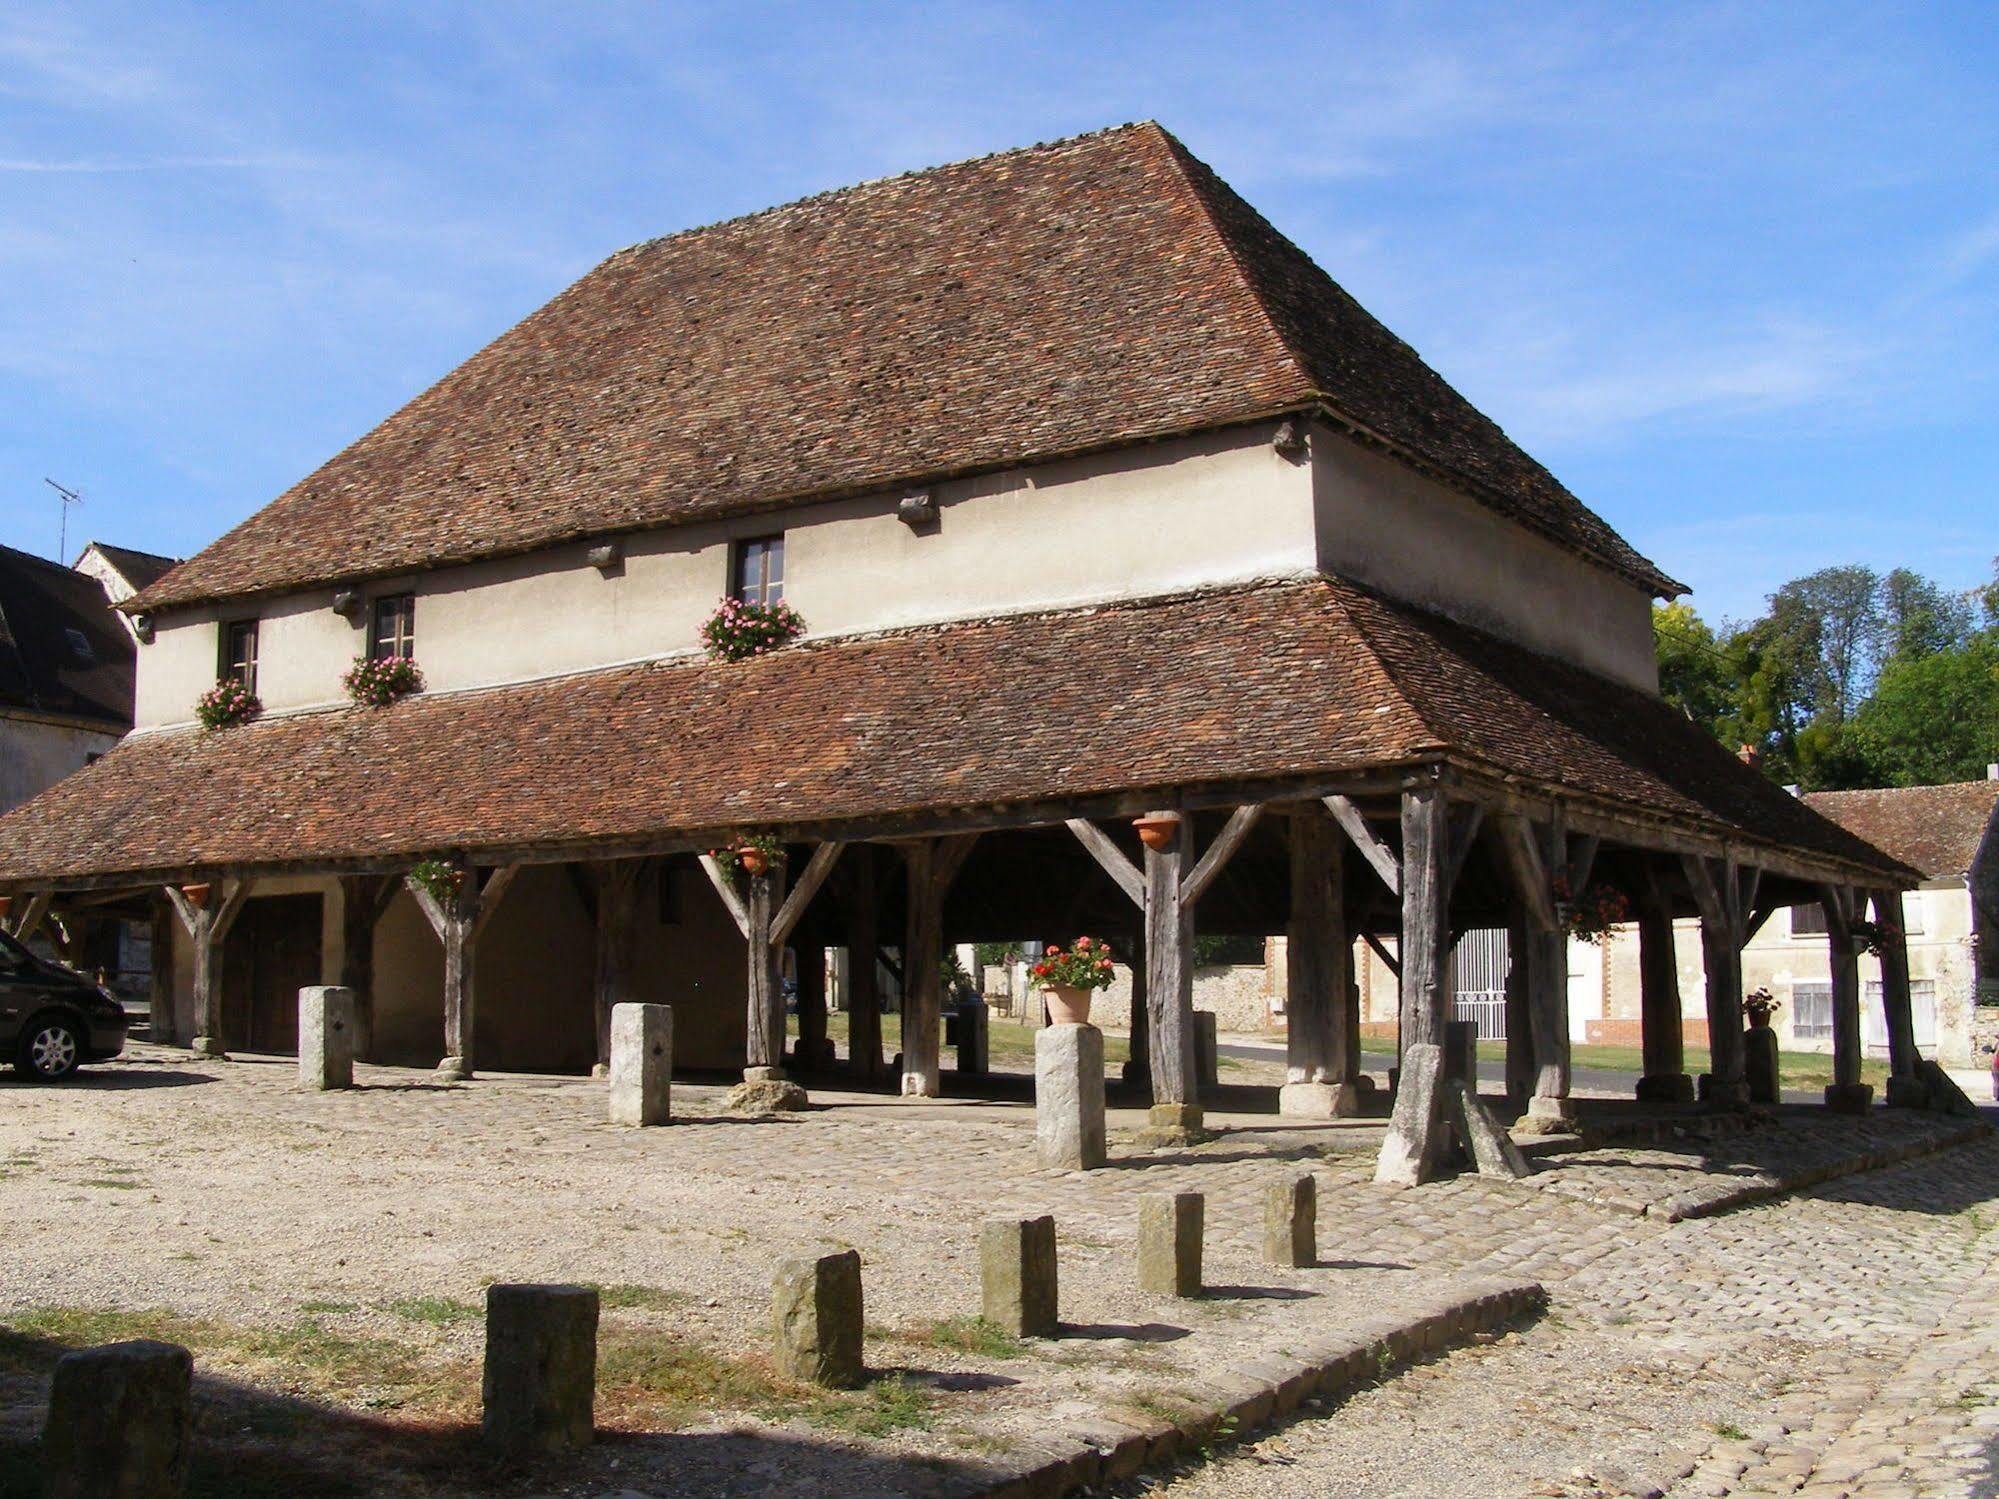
[
  {"x": 1069, "y": 977},
  {"x": 1758, "y": 1005},
  {"x": 1158, "y": 832}
]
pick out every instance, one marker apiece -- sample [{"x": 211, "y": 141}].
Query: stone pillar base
[
  {"x": 600, "y": 1070},
  {"x": 769, "y": 1092},
  {"x": 1906, "y": 1093},
  {"x": 1665, "y": 1087},
  {"x": 1849, "y": 1098},
  {"x": 1547, "y": 1116},
  {"x": 454, "y": 1068},
  {"x": 541, "y": 1367},
  {"x": 1318, "y": 1100},
  {"x": 1069, "y": 1096},
  {"x": 1717, "y": 1094},
  {"x": 208, "y": 1046},
  {"x": 1173, "y": 1124}
]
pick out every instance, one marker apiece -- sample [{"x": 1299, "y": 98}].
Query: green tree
[
  {"x": 1934, "y": 718},
  {"x": 1695, "y": 674},
  {"x": 1918, "y": 618}
]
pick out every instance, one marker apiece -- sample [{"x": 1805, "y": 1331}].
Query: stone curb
[
  {"x": 1684, "y": 1205},
  {"x": 1256, "y": 1392}
]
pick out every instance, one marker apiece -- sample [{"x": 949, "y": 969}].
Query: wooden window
[
  {"x": 758, "y": 574},
  {"x": 239, "y": 653},
  {"x": 1808, "y": 920},
  {"x": 392, "y": 627}
]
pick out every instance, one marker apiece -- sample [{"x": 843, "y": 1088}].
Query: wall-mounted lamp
[
  {"x": 606, "y": 556},
  {"x": 917, "y": 511}
]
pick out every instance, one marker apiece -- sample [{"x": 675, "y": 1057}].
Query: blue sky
[{"x": 1732, "y": 271}]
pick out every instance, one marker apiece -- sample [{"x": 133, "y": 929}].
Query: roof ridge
[{"x": 1985, "y": 782}]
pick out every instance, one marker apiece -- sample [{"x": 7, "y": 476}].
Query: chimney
[{"x": 1750, "y": 754}]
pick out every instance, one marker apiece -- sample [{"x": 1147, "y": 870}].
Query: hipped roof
[
  {"x": 46, "y": 669},
  {"x": 1936, "y": 829},
  {"x": 1280, "y": 682},
  {"x": 1092, "y": 293}
]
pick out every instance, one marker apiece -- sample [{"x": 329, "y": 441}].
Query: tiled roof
[
  {"x": 1936, "y": 829},
  {"x": 1273, "y": 682},
  {"x": 1095, "y": 292},
  {"x": 62, "y": 650},
  {"x": 140, "y": 569}
]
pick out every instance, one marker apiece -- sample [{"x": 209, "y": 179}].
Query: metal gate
[{"x": 1478, "y": 981}]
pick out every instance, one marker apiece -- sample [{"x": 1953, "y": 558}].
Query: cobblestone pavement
[
  {"x": 216, "y": 1190},
  {"x": 1839, "y": 1342}
]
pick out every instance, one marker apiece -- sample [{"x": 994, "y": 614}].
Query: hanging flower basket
[
  {"x": 1157, "y": 832},
  {"x": 375, "y": 682},
  {"x": 1068, "y": 977},
  {"x": 1593, "y": 916},
  {"x": 755, "y": 855},
  {"x": 197, "y": 895},
  {"x": 739, "y": 629},
  {"x": 1875, "y": 936},
  {"x": 437, "y": 878},
  {"x": 227, "y": 704}
]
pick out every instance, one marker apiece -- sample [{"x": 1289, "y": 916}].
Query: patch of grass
[
  {"x": 328, "y": 1308},
  {"x": 438, "y": 1311},
  {"x": 890, "y": 1404},
  {"x": 673, "y": 1381},
  {"x": 639, "y": 1298},
  {"x": 969, "y": 1335},
  {"x": 1728, "y": 1431}
]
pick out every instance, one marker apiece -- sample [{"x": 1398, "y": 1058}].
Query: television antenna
[{"x": 69, "y": 497}]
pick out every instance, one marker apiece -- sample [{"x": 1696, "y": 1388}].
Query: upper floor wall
[{"x": 1216, "y": 508}]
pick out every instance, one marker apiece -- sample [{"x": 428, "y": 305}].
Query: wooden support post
[
  {"x": 207, "y": 926},
  {"x": 1138, "y": 1065},
  {"x": 458, "y": 920},
  {"x": 1533, "y": 856},
  {"x": 1169, "y": 988},
  {"x": 764, "y": 1035},
  {"x": 28, "y": 920},
  {"x": 1905, "y": 1087},
  {"x": 363, "y": 900},
  {"x": 1717, "y": 889},
  {"x": 1520, "y": 1069},
  {"x": 616, "y": 883},
  {"x": 932, "y": 864},
  {"x": 1662, "y": 1031},
  {"x": 1846, "y": 1093},
  {"x": 864, "y": 1004},
  {"x": 1319, "y": 1038},
  {"x": 814, "y": 1051},
  {"x": 1425, "y": 945},
  {"x": 162, "y": 1024}
]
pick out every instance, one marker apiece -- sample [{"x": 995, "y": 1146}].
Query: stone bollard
[
  {"x": 540, "y": 1388},
  {"x": 1410, "y": 1149},
  {"x": 973, "y": 1018},
  {"x": 816, "y": 1316},
  {"x": 119, "y": 1422},
  {"x": 1069, "y": 1096},
  {"x": 1291, "y": 1222},
  {"x": 1759, "y": 1063},
  {"x": 327, "y": 1030},
  {"x": 1017, "y": 1285},
  {"x": 1169, "y": 1243},
  {"x": 641, "y": 1064},
  {"x": 1207, "y": 1053}
]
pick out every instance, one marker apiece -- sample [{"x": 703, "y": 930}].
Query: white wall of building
[{"x": 36, "y": 752}]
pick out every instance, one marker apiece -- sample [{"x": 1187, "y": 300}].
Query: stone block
[
  {"x": 1665, "y": 1087},
  {"x": 119, "y": 1422},
  {"x": 1906, "y": 1093},
  {"x": 1207, "y": 1050},
  {"x": 641, "y": 1083},
  {"x": 1548, "y": 1116},
  {"x": 1017, "y": 1276},
  {"x": 327, "y": 1029},
  {"x": 540, "y": 1386},
  {"x": 1291, "y": 1221},
  {"x": 1069, "y": 1096},
  {"x": 816, "y": 1319},
  {"x": 1414, "y": 1139},
  {"x": 1169, "y": 1243},
  {"x": 766, "y": 1090},
  {"x": 1318, "y": 1100},
  {"x": 1759, "y": 1063},
  {"x": 1942, "y": 1091},
  {"x": 1849, "y": 1098},
  {"x": 972, "y": 1029},
  {"x": 1492, "y": 1148}
]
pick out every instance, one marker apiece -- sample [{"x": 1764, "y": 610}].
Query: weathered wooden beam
[
  {"x": 1581, "y": 862},
  {"x": 764, "y": 1058},
  {"x": 491, "y": 894},
  {"x": 1520, "y": 852},
  {"x": 1380, "y": 857},
  {"x": 816, "y": 869},
  {"x": 1388, "y": 959},
  {"x": 33, "y": 913},
  {"x": 1169, "y": 987},
  {"x": 732, "y": 900},
  {"x": 1662, "y": 1031},
  {"x": 861, "y": 917},
  {"x": 364, "y": 899},
  {"x": 613, "y": 912},
  {"x": 1465, "y": 823},
  {"x": 1216, "y": 859},
  {"x": 922, "y": 973},
  {"x": 1903, "y": 1057},
  {"x": 1424, "y": 948},
  {"x": 1124, "y": 874}
]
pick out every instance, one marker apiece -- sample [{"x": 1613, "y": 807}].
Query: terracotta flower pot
[
  {"x": 753, "y": 860},
  {"x": 1759, "y": 1022},
  {"x": 1157, "y": 832},
  {"x": 1067, "y": 1005},
  {"x": 197, "y": 895}
]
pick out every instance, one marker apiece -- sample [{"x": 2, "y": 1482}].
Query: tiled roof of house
[
  {"x": 140, "y": 569},
  {"x": 1092, "y": 293},
  {"x": 62, "y": 650},
  {"x": 1268, "y": 683},
  {"x": 1936, "y": 829}
]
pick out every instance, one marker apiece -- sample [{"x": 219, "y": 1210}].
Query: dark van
[{"x": 52, "y": 1019}]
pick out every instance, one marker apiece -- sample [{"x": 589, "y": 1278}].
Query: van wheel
[{"x": 51, "y": 1049}]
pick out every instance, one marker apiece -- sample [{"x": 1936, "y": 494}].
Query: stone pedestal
[
  {"x": 1069, "y": 1096},
  {"x": 208, "y": 1046},
  {"x": 1173, "y": 1124},
  {"x": 1759, "y": 1063},
  {"x": 454, "y": 1069},
  {"x": 765, "y": 1090},
  {"x": 1665, "y": 1087},
  {"x": 973, "y": 1019},
  {"x": 327, "y": 1028},
  {"x": 1291, "y": 1222},
  {"x": 1941, "y": 1092},
  {"x": 1849, "y": 1098},
  {"x": 1548, "y": 1116},
  {"x": 1906, "y": 1093},
  {"x": 1017, "y": 1280},
  {"x": 1169, "y": 1243},
  {"x": 1207, "y": 1050},
  {"x": 1318, "y": 1100},
  {"x": 118, "y": 1423},
  {"x": 641, "y": 1091},
  {"x": 816, "y": 1320},
  {"x": 540, "y": 1386},
  {"x": 1410, "y": 1149}
]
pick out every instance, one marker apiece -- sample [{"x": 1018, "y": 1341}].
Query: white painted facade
[{"x": 37, "y": 750}]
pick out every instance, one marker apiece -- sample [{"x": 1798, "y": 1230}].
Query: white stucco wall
[
  {"x": 1387, "y": 526},
  {"x": 1210, "y": 509},
  {"x": 35, "y": 753}
]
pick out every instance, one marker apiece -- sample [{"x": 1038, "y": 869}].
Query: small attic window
[{"x": 79, "y": 645}]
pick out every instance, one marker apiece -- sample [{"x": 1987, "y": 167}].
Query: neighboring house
[
  {"x": 123, "y": 572},
  {"x": 1097, "y": 498}
]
